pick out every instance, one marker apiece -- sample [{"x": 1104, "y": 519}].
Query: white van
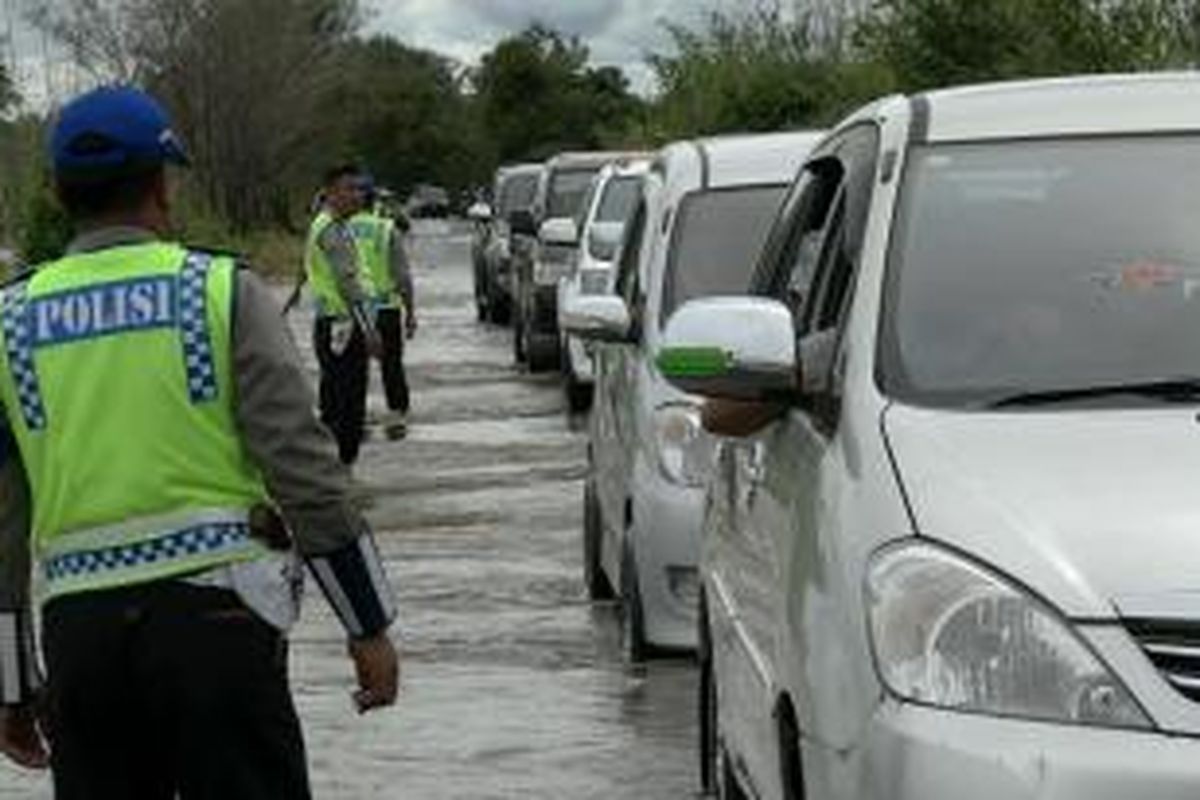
[
  {"x": 706, "y": 204},
  {"x": 955, "y": 551}
]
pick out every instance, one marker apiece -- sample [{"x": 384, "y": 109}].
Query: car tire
[
  {"x": 594, "y": 578},
  {"x": 791, "y": 769},
  {"x": 541, "y": 350},
  {"x": 706, "y": 705},
  {"x": 579, "y": 395},
  {"x": 499, "y": 309},
  {"x": 518, "y": 334},
  {"x": 633, "y": 627}
]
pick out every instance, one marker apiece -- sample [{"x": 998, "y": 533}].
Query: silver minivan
[
  {"x": 953, "y": 545},
  {"x": 705, "y": 209}
]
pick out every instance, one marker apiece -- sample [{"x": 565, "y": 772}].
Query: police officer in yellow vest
[
  {"x": 164, "y": 474},
  {"x": 344, "y": 333},
  {"x": 385, "y": 268}
]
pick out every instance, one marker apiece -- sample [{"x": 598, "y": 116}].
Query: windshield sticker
[{"x": 1145, "y": 275}]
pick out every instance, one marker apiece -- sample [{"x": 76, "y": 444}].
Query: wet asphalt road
[{"x": 513, "y": 684}]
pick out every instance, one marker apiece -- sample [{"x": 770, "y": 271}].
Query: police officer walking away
[
  {"x": 388, "y": 278},
  {"x": 344, "y": 335},
  {"x": 158, "y": 435}
]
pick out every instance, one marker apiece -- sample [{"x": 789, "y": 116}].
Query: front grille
[{"x": 1174, "y": 648}]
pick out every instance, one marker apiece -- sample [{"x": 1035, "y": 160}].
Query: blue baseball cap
[{"x": 111, "y": 130}]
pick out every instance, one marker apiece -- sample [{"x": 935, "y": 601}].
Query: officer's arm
[
  {"x": 297, "y": 456},
  {"x": 342, "y": 255},
  {"x": 402, "y": 270},
  {"x": 19, "y": 677}
]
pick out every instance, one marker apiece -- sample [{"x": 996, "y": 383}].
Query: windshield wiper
[{"x": 1171, "y": 390}]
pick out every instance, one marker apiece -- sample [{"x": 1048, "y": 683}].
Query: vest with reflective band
[
  {"x": 373, "y": 237},
  {"x": 320, "y": 272},
  {"x": 117, "y": 383}
]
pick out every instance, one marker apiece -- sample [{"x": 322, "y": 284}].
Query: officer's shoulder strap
[{"x": 21, "y": 277}]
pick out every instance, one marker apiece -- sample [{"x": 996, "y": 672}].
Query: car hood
[{"x": 1098, "y": 511}]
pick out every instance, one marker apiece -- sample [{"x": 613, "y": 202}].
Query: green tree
[
  {"x": 929, "y": 43},
  {"x": 538, "y": 96},
  {"x": 402, "y": 113},
  {"x": 758, "y": 71}
]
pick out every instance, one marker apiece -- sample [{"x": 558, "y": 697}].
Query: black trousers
[
  {"x": 169, "y": 690},
  {"x": 390, "y": 323},
  {"x": 343, "y": 388}
]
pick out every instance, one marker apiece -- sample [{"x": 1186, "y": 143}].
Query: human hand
[
  {"x": 377, "y": 668},
  {"x": 20, "y": 738},
  {"x": 410, "y": 325}
]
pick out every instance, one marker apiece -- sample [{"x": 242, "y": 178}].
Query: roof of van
[
  {"x": 755, "y": 158},
  {"x": 1161, "y": 102},
  {"x": 590, "y": 159}
]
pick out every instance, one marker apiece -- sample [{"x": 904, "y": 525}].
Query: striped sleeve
[
  {"x": 20, "y": 677},
  {"x": 355, "y": 584}
]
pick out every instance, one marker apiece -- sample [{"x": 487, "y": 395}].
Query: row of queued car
[
  {"x": 919, "y": 397},
  {"x": 550, "y": 231}
]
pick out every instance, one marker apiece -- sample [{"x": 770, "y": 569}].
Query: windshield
[
  {"x": 518, "y": 191},
  {"x": 1041, "y": 266},
  {"x": 717, "y": 239},
  {"x": 567, "y": 190},
  {"x": 620, "y": 195}
]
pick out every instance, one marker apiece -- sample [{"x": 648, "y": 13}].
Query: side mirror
[
  {"x": 560, "y": 231},
  {"x": 603, "y": 240},
  {"x": 596, "y": 317},
  {"x": 521, "y": 222},
  {"x": 480, "y": 212},
  {"x": 740, "y": 348}
]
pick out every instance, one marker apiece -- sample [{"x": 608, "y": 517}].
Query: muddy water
[{"x": 513, "y": 684}]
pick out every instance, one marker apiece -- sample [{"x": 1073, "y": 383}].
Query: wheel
[
  {"x": 633, "y": 629},
  {"x": 541, "y": 350},
  {"x": 790, "y": 767},
  {"x": 518, "y": 331},
  {"x": 499, "y": 309},
  {"x": 728, "y": 787},
  {"x": 598, "y": 586},
  {"x": 707, "y": 706},
  {"x": 579, "y": 395}
]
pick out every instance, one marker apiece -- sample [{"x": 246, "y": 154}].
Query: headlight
[
  {"x": 553, "y": 262},
  {"x": 685, "y": 450},
  {"x": 947, "y": 632}
]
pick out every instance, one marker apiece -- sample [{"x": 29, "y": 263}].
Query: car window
[
  {"x": 715, "y": 245},
  {"x": 567, "y": 190},
  {"x": 788, "y": 275},
  {"x": 620, "y": 196},
  {"x": 518, "y": 191},
  {"x": 837, "y": 264},
  {"x": 1070, "y": 264},
  {"x": 627, "y": 268}
]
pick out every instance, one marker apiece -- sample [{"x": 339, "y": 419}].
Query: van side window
[
  {"x": 628, "y": 284},
  {"x": 858, "y": 155},
  {"x": 806, "y": 215}
]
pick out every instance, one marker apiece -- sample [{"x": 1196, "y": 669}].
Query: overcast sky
[{"x": 618, "y": 32}]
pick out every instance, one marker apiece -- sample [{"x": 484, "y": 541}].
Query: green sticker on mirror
[{"x": 694, "y": 362}]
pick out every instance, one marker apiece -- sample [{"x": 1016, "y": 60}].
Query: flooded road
[{"x": 513, "y": 684}]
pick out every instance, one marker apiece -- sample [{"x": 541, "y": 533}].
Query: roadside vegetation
[{"x": 266, "y": 93}]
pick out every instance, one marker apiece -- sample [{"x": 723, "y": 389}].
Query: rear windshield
[
  {"x": 517, "y": 191},
  {"x": 717, "y": 240},
  {"x": 1043, "y": 266},
  {"x": 567, "y": 190},
  {"x": 620, "y": 195}
]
